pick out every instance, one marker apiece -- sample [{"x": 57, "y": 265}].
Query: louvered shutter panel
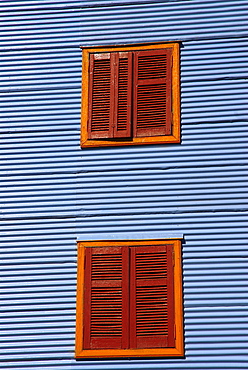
[
  {"x": 110, "y": 95},
  {"x": 106, "y": 303},
  {"x": 151, "y": 297},
  {"x": 152, "y": 93},
  {"x": 123, "y": 86},
  {"x": 101, "y": 96}
]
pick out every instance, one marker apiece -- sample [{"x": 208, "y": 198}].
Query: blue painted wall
[{"x": 53, "y": 192}]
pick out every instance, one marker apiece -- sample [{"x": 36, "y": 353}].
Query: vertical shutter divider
[
  {"x": 115, "y": 65},
  {"x": 113, "y": 95},
  {"x": 87, "y": 298},
  {"x": 125, "y": 297},
  {"x": 129, "y": 94},
  {"x": 133, "y": 335},
  {"x": 171, "y": 298},
  {"x": 168, "y": 126},
  {"x": 123, "y": 95},
  {"x": 90, "y": 92},
  {"x": 135, "y": 93}
]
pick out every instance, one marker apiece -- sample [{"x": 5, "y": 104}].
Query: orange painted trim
[
  {"x": 123, "y": 243},
  {"x": 112, "y": 353},
  {"x": 174, "y": 138},
  {"x": 178, "y": 350},
  {"x": 80, "y": 308},
  {"x": 178, "y": 293}
]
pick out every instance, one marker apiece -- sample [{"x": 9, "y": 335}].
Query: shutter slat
[{"x": 152, "y": 93}]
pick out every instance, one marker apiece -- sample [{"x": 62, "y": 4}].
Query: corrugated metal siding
[{"x": 52, "y": 191}]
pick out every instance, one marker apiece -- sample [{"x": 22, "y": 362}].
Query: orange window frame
[
  {"x": 172, "y": 138},
  {"x": 177, "y": 351}
]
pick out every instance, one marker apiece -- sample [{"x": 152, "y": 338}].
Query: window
[
  {"x": 129, "y": 299},
  {"x": 130, "y": 95}
]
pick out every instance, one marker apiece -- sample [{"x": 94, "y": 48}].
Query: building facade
[{"x": 55, "y": 193}]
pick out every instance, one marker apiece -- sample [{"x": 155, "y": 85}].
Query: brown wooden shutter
[
  {"x": 110, "y": 95},
  {"x": 106, "y": 303},
  {"x": 123, "y": 85},
  {"x": 151, "y": 297},
  {"x": 101, "y": 93},
  {"x": 152, "y": 93}
]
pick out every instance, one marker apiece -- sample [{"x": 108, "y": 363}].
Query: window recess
[
  {"x": 130, "y": 95},
  {"x": 129, "y": 300}
]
